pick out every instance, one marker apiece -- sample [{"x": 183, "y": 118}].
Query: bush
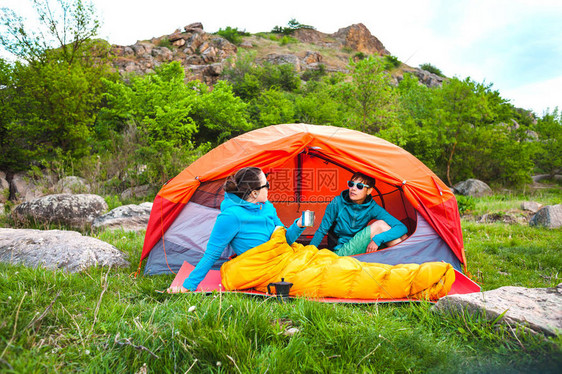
[
  {"x": 165, "y": 42},
  {"x": 465, "y": 204},
  {"x": 287, "y": 39},
  {"x": 293, "y": 25},
  {"x": 359, "y": 56},
  {"x": 432, "y": 69},
  {"x": 391, "y": 62},
  {"x": 233, "y": 35}
]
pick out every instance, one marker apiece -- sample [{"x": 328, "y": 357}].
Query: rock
[
  {"x": 312, "y": 57},
  {"x": 139, "y": 191},
  {"x": 282, "y": 59},
  {"x": 194, "y": 27},
  {"x": 72, "y": 185},
  {"x": 359, "y": 38},
  {"x": 127, "y": 217},
  {"x": 246, "y": 44},
  {"x": 541, "y": 177},
  {"x": 77, "y": 211},
  {"x": 27, "y": 187},
  {"x": 4, "y": 188},
  {"x": 2, "y": 210},
  {"x": 550, "y": 216},
  {"x": 539, "y": 309},
  {"x": 531, "y": 206},
  {"x": 498, "y": 217},
  {"x": 179, "y": 43},
  {"x": 56, "y": 249},
  {"x": 472, "y": 187}
]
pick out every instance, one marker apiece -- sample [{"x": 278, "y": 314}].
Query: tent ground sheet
[{"x": 212, "y": 282}]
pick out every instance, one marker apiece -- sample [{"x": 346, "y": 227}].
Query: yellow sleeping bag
[{"x": 322, "y": 273}]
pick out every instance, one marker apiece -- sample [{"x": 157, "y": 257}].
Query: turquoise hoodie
[
  {"x": 351, "y": 218},
  {"x": 243, "y": 225}
]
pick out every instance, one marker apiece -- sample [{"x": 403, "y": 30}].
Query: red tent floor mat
[{"x": 212, "y": 282}]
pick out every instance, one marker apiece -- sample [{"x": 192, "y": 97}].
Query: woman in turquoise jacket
[
  {"x": 247, "y": 219},
  {"x": 351, "y": 212}
]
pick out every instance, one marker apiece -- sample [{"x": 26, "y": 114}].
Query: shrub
[
  {"x": 391, "y": 62},
  {"x": 233, "y": 35},
  {"x": 359, "y": 56},
  {"x": 165, "y": 42},
  {"x": 314, "y": 74},
  {"x": 432, "y": 69},
  {"x": 465, "y": 204},
  {"x": 293, "y": 25},
  {"x": 287, "y": 39}
]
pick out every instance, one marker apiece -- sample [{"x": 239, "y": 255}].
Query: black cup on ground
[{"x": 281, "y": 289}]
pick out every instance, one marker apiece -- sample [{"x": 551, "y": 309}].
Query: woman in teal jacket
[
  {"x": 247, "y": 219},
  {"x": 351, "y": 212}
]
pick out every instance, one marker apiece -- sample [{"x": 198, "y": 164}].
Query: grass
[{"x": 103, "y": 320}]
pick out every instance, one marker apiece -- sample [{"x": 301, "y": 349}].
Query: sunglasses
[
  {"x": 359, "y": 185},
  {"x": 266, "y": 185}
]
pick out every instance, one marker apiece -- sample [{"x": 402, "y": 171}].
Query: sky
[{"x": 515, "y": 45}]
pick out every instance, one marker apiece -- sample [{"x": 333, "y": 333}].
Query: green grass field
[{"x": 103, "y": 320}]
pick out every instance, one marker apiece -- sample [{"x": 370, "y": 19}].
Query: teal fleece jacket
[
  {"x": 244, "y": 226},
  {"x": 351, "y": 218}
]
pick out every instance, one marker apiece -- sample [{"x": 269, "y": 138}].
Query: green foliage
[
  {"x": 287, "y": 39},
  {"x": 272, "y": 107},
  {"x": 457, "y": 131},
  {"x": 391, "y": 62},
  {"x": 232, "y": 34},
  {"x": 165, "y": 42},
  {"x": 314, "y": 74},
  {"x": 51, "y": 101},
  {"x": 465, "y": 204},
  {"x": 548, "y": 157},
  {"x": 162, "y": 114},
  {"x": 53, "y": 107},
  {"x": 219, "y": 114},
  {"x": 65, "y": 27},
  {"x": 432, "y": 69},
  {"x": 320, "y": 105},
  {"x": 359, "y": 56},
  {"x": 371, "y": 100},
  {"x": 249, "y": 79},
  {"x": 292, "y": 25}
]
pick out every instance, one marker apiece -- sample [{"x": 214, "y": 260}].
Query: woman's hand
[{"x": 299, "y": 223}]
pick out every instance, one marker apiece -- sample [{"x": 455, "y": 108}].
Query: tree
[
  {"x": 55, "y": 87},
  {"x": 65, "y": 26},
  {"x": 370, "y": 97},
  {"x": 549, "y": 156}
]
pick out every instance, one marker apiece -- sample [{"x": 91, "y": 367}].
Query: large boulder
[
  {"x": 539, "y": 309},
  {"x": 531, "y": 206},
  {"x": 139, "y": 191},
  {"x": 127, "y": 217},
  {"x": 77, "y": 211},
  {"x": 72, "y": 184},
  {"x": 4, "y": 188},
  {"x": 359, "y": 38},
  {"x": 56, "y": 249},
  {"x": 472, "y": 187},
  {"x": 27, "y": 187},
  {"x": 550, "y": 216}
]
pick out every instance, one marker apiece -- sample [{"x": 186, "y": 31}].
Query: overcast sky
[{"x": 514, "y": 44}]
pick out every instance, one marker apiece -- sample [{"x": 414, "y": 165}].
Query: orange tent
[{"x": 307, "y": 165}]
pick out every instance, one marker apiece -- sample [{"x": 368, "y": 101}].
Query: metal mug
[{"x": 307, "y": 218}]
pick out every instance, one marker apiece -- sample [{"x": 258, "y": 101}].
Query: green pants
[{"x": 356, "y": 245}]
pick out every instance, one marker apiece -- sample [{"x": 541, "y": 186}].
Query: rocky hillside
[{"x": 205, "y": 55}]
